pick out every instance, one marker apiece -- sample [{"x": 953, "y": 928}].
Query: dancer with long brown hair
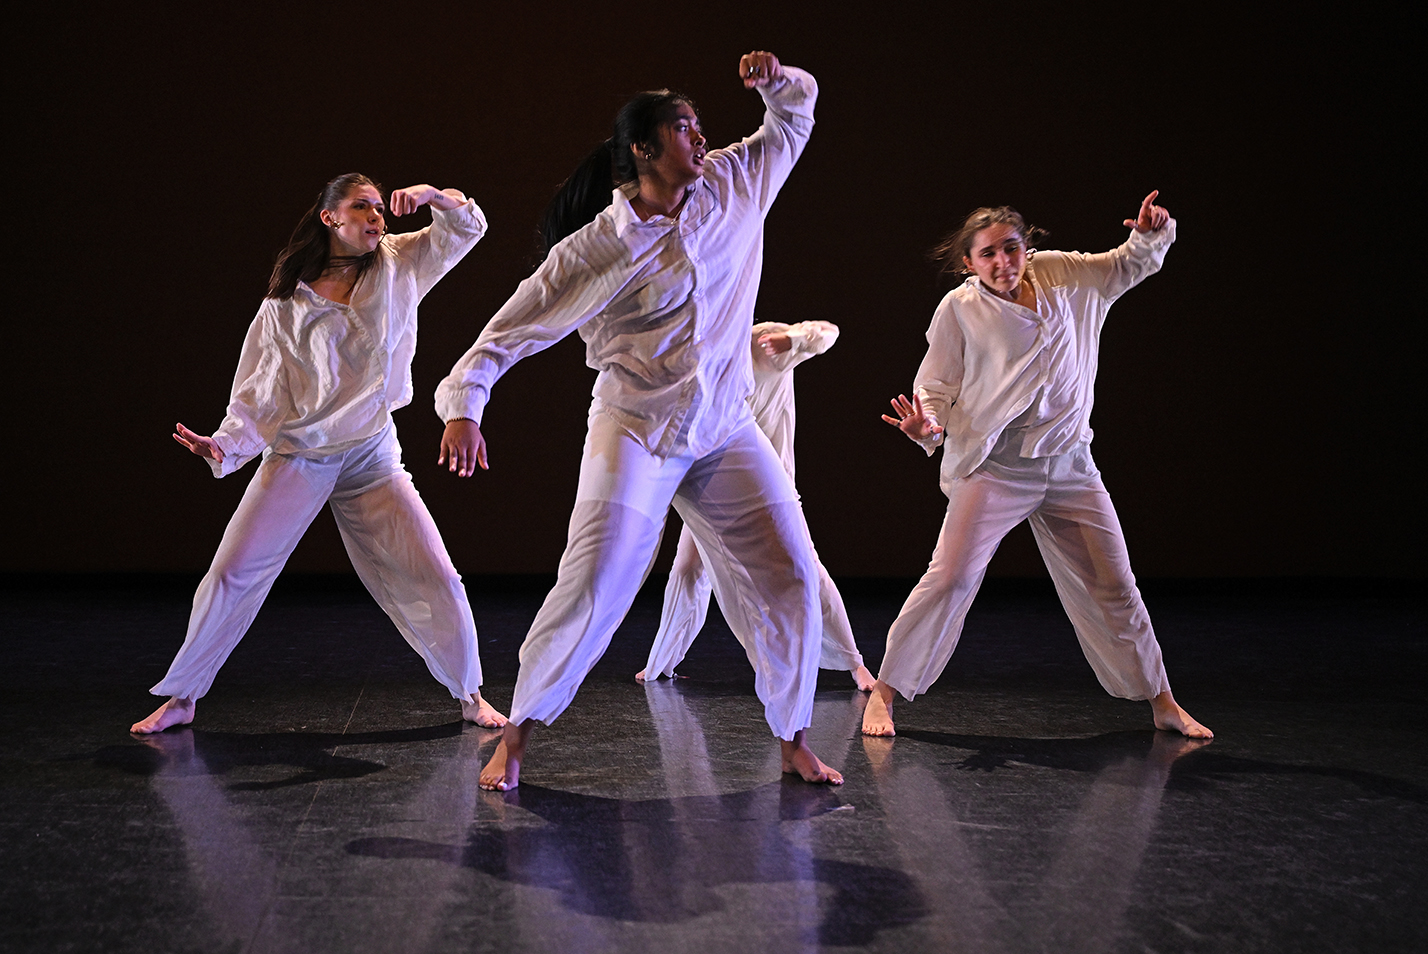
[{"x": 326, "y": 361}]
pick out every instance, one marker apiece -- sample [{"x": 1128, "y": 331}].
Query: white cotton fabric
[
  {"x": 664, "y": 305},
  {"x": 772, "y": 400},
  {"x": 1079, "y": 535},
  {"x": 316, "y": 377},
  {"x": 992, "y": 364},
  {"x": 314, "y": 392},
  {"x": 741, "y": 507},
  {"x": 686, "y": 595},
  {"x": 1017, "y": 447},
  {"x": 392, "y": 541}
]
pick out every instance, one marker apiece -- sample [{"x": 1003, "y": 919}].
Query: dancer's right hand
[
  {"x": 463, "y": 447},
  {"x": 912, "y": 420},
  {"x": 198, "y": 444}
]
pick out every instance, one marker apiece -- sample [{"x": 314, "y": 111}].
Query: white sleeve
[
  {"x": 433, "y": 251},
  {"x": 1109, "y": 274},
  {"x": 260, "y": 400},
  {"x": 567, "y": 290},
  {"x": 806, "y": 339},
  {"x": 763, "y": 161},
  {"x": 939, "y": 377}
]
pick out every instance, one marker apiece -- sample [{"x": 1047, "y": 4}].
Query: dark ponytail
[
  {"x": 586, "y": 193},
  {"x": 308, "y": 252},
  {"x": 581, "y": 197}
]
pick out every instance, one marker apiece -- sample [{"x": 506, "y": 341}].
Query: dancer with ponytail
[
  {"x": 1006, "y": 390},
  {"x": 326, "y": 361},
  {"x": 660, "y": 279}
]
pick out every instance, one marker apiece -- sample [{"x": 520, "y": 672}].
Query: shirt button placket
[{"x": 698, "y": 296}]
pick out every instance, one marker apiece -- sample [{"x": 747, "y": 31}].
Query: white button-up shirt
[
  {"x": 772, "y": 400},
  {"x": 316, "y": 377},
  {"x": 664, "y": 305},
  {"x": 993, "y": 365}
]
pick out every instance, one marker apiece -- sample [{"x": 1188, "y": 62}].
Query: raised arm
[
  {"x": 457, "y": 224},
  {"x": 408, "y": 200},
  {"x": 764, "y": 160},
  {"x": 1111, "y": 274},
  {"x": 1152, "y": 218}
]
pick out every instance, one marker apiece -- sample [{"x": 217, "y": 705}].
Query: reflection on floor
[{"x": 326, "y": 798}]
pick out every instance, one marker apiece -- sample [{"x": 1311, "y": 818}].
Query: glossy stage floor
[{"x": 326, "y": 798}]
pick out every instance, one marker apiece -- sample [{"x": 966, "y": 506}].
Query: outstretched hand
[
  {"x": 912, "y": 419},
  {"x": 1152, "y": 217},
  {"x": 759, "y": 68},
  {"x": 198, "y": 444},
  {"x": 408, "y": 200},
  {"x": 463, "y": 447}
]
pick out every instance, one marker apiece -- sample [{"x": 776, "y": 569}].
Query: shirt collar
[{"x": 626, "y": 218}]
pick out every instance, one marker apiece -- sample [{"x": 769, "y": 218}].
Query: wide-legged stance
[
  {"x": 741, "y": 507},
  {"x": 1080, "y": 539},
  {"x": 392, "y": 541}
]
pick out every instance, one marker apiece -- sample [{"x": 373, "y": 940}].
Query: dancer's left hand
[
  {"x": 1152, "y": 217},
  {"x": 408, "y": 200},
  {"x": 759, "y": 68}
]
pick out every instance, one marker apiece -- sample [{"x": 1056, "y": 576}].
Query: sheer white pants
[
  {"x": 392, "y": 541},
  {"x": 741, "y": 507},
  {"x": 686, "y": 604},
  {"x": 1080, "y": 539}
]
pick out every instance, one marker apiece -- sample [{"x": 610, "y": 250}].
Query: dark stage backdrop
[{"x": 1254, "y": 415}]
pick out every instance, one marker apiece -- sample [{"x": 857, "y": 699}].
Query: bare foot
[
  {"x": 863, "y": 679},
  {"x": 877, "y": 717},
  {"x": 503, "y": 772},
  {"x": 798, "y": 757},
  {"x": 640, "y": 676},
  {"x": 1166, "y": 748},
  {"x": 174, "y": 712},
  {"x": 1170, "y": 717},
  {"x": 482, "y": 713}
]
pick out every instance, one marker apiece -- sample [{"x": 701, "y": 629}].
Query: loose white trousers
[
  {"x": 1080, "y": 539},
  {"x": 741, "y": 507},
  {"x": 392, "y": 541},
  {"x": 686, "y": 604}
]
